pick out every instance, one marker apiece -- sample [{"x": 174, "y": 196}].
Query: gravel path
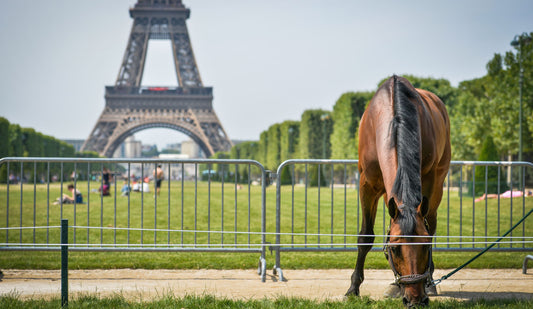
[{"x": 141, "y": 284}]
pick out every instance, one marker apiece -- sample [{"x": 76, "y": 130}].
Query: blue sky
[{"x": 267, "y": 61}]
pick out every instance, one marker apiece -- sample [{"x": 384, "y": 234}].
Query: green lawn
[{"x": 199, "y": 206}]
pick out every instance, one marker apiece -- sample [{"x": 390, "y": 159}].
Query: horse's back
[
  {"x": 435, "y": 132},
  {"x": 377, "y": 159}
]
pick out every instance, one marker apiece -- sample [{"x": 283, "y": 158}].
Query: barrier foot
[
  {"x": 277, "y": 271},
  {"x": 524, "y": 266},
  {"x": 261, "y": 269}
]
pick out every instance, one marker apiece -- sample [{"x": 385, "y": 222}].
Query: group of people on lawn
[{"x": 77, "y": 197}]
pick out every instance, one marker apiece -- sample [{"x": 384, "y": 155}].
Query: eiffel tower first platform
[{"x": 131, "y": 108}]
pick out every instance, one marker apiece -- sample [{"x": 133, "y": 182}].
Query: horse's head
[{"x": 409, "y": 261}]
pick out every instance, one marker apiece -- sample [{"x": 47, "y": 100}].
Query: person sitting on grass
[
  {"x": 506, "y": 194},
  {"x": 76, "y": 197}
]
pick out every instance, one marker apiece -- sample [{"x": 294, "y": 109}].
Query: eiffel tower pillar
[{"x": 131, "y": 108}]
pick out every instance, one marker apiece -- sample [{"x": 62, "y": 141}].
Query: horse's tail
[{"x": 405, "y": 136}]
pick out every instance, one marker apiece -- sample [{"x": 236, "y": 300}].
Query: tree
[
  {"x": 16, "y": 147},
  {"x": 263, "y": 147},
  {"x": 273, "y": 147},
  {"x": 4, "y": 137},
  {"x": 315, "y": 129},
  {"x": 289, "y": 137},
  {"x": 4, "y": 147},
  {"x": 488, "y": 153},
  {"x": 347, "y": 113}
]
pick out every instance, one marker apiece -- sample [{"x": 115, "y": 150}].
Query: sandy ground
[{"x": 140, "y": 284}]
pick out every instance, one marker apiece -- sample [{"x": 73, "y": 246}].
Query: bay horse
[{"x": 404, "y": 155}]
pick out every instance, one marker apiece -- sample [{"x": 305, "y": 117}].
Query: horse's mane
[{"x": 405, "y": 137}]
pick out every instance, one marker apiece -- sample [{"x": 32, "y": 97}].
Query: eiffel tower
[{"x": 131, "y": 108}]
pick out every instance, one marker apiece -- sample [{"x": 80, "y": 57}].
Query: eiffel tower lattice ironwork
[{"x": 131, "y": 108}]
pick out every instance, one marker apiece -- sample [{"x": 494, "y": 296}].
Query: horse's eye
[{"x": 396, "y": 250}]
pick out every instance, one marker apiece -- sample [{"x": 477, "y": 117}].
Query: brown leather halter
[{"x": 407, "y": 279}]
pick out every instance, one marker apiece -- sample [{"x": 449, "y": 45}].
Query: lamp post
[{"x": 518, "y": 42}]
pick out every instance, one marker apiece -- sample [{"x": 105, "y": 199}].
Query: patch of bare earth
[{"x": 141, "y": 284}]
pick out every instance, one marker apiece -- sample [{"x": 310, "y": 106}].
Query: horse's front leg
[
  {"x": 358, "y": 275},
  {"x": 369, "y": 200},
  {"x": 431, "y": 289}
]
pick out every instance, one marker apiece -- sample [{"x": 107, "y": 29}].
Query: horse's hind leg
[{"x": 369, "y": 200}]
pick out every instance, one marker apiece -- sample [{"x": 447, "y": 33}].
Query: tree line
[
  {"x": 483, "y": 111},
  {"x": 16, "y": 141}
]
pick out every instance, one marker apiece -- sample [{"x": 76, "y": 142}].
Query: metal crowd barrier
[
  {"x": 326, "y": 217},
  {"x": 220, "y": 206},
  {"x": 204, "y": 205}
]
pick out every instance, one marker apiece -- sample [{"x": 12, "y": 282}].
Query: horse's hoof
[
  {"x": 351, "y": 293},
  {"x": 393, "y": 291},
  {"x": 431, "y": 290}
]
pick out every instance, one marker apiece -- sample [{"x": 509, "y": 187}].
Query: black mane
[{"x": 405, "y": 136}]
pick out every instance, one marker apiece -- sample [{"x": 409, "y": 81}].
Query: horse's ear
[
  {"x": 393, "y": 208},
  {"x": 424, "y": 207}
]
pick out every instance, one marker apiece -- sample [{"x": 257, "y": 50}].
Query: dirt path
[{"x": 140, "y": 284}]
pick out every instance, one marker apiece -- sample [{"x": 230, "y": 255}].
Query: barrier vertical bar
[
  {"x": 129, "y": 198},
  {"x": 235, "y": 176},
  {"x": 523, "y": 204},
  {"x": 195, "y": 201},
  {"x": 511, "y": 207},
  {"x": 155, "y": 204},
  {"x": 47, "y": 202},
  {"x": 182, "y": 188},
  {"x": 344, "y": 180},
  {"x": 332, "y": 202},
  {"x": 142, "y": 204},
  {"x": 473, "y": 205},
  {"x": 499, "y": 176},
  {"x": 209, "y": 205},
  {"x": 292, "y": 205},
  {"x": 263, "y": 227},
  {"x": 64, "y": 263},
  {"x": 278, "y": 220},
  {"x": 318, "y": 211},
  {"x": 114, "y": 207},
  {"x": 306, "y": 185},
  {"x": 7, "y": 204},
  {"x": 486, "y": 200},
  {"x": 249, "y": 201},
  {"x": 89, "y": 197},
  {"x": 34, "y": 197},
  {"x": 102, "y": 205},
  {"x": 222, "y": 205},
  {"x": 461, "y": 207},
  {"x": 21, "y": 191},
  {"x": 168, "y": 206},
  {"x": 75, "y": 201},
  {"x": 448, "y": 209}
]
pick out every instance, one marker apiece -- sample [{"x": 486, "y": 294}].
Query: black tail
[{"x": 405, "y": 136}]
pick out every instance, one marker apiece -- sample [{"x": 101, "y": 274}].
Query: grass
[
  {"x": 199, "y": 206},
  {"x": 211, "y": 302},
  {"x": 222, "y": 210}
]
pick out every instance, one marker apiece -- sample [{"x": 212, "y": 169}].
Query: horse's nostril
[{"x": 405, "y": 301}]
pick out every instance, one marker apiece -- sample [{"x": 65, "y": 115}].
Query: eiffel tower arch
[{"x": 131, "y": 108}]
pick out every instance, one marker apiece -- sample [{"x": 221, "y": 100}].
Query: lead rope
[{"x": 437, "y": 281}]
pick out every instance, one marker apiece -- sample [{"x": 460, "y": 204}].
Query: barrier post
[{"x": 64, "y": 263}]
